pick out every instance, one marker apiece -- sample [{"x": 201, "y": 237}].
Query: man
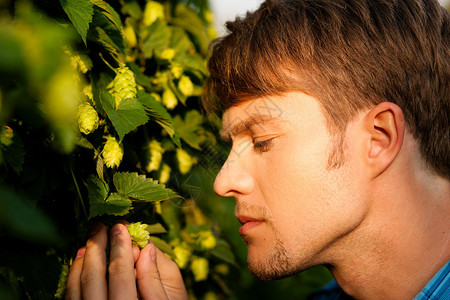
[{"x": 338, "y": 116}]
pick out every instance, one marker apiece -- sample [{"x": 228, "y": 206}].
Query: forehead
[{"x": 264, "y": 109}]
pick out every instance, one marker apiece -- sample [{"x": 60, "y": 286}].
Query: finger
[
  {"x": 122, "y": 282},
  {"x": 136, "y": 253},
  {"x": 170, "y": 276},
  {"x": 148, "y": 277},
  {"x": 73, "y": 289},
  {"x": 93, "y": 274}
]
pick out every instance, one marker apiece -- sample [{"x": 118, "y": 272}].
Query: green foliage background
[{"x": 55, "y": 180}]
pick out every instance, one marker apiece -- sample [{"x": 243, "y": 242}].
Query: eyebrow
[{"x": 244, "y": 126}]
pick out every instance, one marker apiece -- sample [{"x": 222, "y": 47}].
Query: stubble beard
[{"x": 276, "y": 266}]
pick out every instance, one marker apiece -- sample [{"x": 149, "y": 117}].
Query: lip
[{"x": 247, "y": 224}]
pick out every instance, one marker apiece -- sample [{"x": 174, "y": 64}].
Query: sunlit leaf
[
  {"x": 138, "y": 187},
  {"x": 80, "y": 12},
  {"x": 127, "y": 116},
  {"x": 160, "y": 115}
]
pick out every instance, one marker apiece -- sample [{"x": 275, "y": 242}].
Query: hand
[{"x": 133, "y": 274}]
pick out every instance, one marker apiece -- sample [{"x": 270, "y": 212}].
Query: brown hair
[{"x": 350, "y": 55}]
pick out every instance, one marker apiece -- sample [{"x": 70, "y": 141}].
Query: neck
[{"x": 403, "y": 241}]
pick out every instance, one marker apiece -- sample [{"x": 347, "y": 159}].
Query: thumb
[{"x": 147, "y": 274}]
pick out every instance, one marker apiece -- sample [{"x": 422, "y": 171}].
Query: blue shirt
[{"x": 438, "y": 288}]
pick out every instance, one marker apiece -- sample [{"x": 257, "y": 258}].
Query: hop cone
[
  {"x": 139, "y": 236},
  {"x": 186, "y": 86},
  {"x": 156, "y": 152},
  {"x": 185, "y": 161},
  {"x": 169, "y": 99},
  {"x": 182, "y": 255},
  {"x": 123, "y": 85},
  {"x": 200, "y": 268},
  {"x": 152, "y": 12},
  {"x": 87, "y": 118},
  {"x": 112, "y": 152},
  {"x": 206, "y": 240}
]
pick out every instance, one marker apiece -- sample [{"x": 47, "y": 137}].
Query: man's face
[{"x": 295, "y": 209}]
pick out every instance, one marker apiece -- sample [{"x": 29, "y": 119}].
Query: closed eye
[{"x": 263, "y": 146}]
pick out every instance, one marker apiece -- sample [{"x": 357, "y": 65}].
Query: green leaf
[
  {"x": 180, "y": 41},
  {"x": 133, "y": 9},
  {"x": 190, "y": 21},
  {"x": 141, "y": 188},
  {"x": 21, "y": 220},
  {"x": 80, "y": 13},
  {"x": 155, "y": 37},
  {"x": 101, "y": 203},
  {"x": 188, "y": 129},
  {"x": 105, "y": 32},
  {"x": 109, "y": 13},
  {"x": 223, "y": 252},
  {"x": 192, "y": 62},
  {"x": 127, "y": 116},
  {"x": 158, "y": 113},
  {"x": 155, "y": 228},
  {"x": 116, "y": 204},
  {"x": 162, "y": 245}
]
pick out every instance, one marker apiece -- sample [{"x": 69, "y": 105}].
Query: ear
[{"x": 386, "y": 127}]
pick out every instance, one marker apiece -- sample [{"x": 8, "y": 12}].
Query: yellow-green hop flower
[
  {"x": 167, "y": 54},
  {"x": 112, "y": 152},
  {"x": 152, "y": 12},
  {"x": 182, "y": 255},
  {"x": 87, "y": 91},
  {"x": 209, "y": 16},
  {"x": 130, "y": 35},
  {"x": 87, "y": 118},
  {"x": 123, "y": 86},
  {"x": 165, "y": 174},
  {"x": 206, "y": 240},
  {"x": 223, "y": 269},
  {"x": 185, "y": 85},
  {"x": 61, "y": 289},
  {"x": 139, "y": 236},
  {"x": 169, "y": 99},
  {"x": 210, "y": 295},
  {"x": 177, "y": 71},
  {"x": 200, "y": 268},
  {"x": 185, "y": 161},
  {"x": 156, "y": 153}
]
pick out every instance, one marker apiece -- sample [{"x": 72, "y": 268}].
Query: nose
[{"x": 234, "y": 178}]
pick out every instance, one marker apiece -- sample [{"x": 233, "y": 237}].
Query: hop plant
[
  {"x": 156, "y": 152},
  {"x": 112, "y": 152},
  {"x": 87, "y": 118},
  {"x": 165, "y": 174},
  {"x": 61, "y": 289},
  {"x": 123, "y": 86},
  {"x": 169, "y": 99},
  {"x": 186, "y": 86},
  {"x": 167, "y": 54},
  {"x": 185, "y": 161},
  {"x": 176, "y": 71},
  {"x": 200, "y": 268},
  {"x": 152, "y": 12},
  {"x": 182, "y": 255},
  {"x": 206, "y": 240},
  {"x": 130, "y": 35},
  {"x": 139, "y": 236}
]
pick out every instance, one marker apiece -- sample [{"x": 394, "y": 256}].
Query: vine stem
[{"x": 78, "y": 192}]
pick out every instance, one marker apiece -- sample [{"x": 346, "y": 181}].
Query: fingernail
[
  {"x": 80, "y": 252},
  {"x": 95, "y": 228},
  {"x": 116, "y": 230},
  {"x": 153, "y": 254}
]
